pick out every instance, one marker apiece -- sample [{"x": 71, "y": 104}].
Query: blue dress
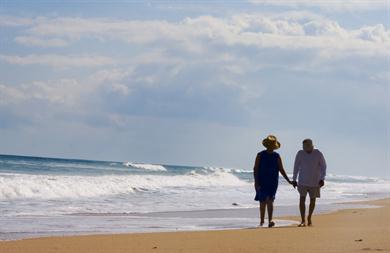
[{"x": 267, "y": 176}]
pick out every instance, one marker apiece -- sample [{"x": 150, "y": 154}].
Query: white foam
[
  {"x": 145, "y": 166},
  {"x": 353, "y": 179},
  {"x": 230, "y": 170},
  {"x": 16, "y": 186}
]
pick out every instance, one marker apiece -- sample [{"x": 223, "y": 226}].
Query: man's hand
[
  {"x": 294, "y": 183},
  {"x": 321, "y": 183}
]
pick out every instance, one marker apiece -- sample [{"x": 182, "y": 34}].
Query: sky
[{"x": 197, "y": 82}]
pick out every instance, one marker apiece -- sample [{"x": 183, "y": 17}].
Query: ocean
[{"x": 50, "y": 196}]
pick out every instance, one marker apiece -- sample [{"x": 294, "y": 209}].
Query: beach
[
  {"x": 162, "y": 126},
  {"x": 348, "y": 230},
  {"x": 50, "y": 197}
]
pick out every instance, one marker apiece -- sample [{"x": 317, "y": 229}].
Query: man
[{"x": 310, "y": 168}]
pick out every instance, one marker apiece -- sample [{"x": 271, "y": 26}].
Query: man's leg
[
  {"x": 262, "y": 212},
  {"x": 302, "y": 208},
  {"x": 311, "y": 210}
]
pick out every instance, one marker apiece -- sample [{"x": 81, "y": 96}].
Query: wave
[
  {"x": 229, "y": 170},
  {"x": 145, "y": 166},
  {"x": 17, "y": 186},
  {"x": 352, "y": 179}
]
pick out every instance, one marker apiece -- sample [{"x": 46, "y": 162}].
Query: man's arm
[
  {"x": 256, "y": 171},
  {"x": 322, "y": 169},
  {"x": 282, "y": 171},
  {"x": 296, "y": 167}
]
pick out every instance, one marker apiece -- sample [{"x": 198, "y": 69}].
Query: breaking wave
[
  {"x": 145, "y": 166},
  {"x": 16, "y": 186}
]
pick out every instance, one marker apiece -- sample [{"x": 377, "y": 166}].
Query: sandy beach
[{"x": 350, "y": 230}]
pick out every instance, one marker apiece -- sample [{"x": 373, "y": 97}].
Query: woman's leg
[
  {"x": 262, "y": 212},
  {"x": 270, "y": 209}
]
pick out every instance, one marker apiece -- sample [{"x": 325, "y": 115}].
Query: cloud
[
  {"x": 293, "y": 30},
  {"x": 11, "y": 21},
  {"x": 10, "y": 95},
  {"x": 191, "y": 60},
  {"x": 66, "y": 92},
  {"x": 377, "y": 33},
  {"x": 233, "y": 47},
  {"x": 62, "y": 91},
  {"x": 39, "y": 42},
  {"x": 295, "y": 72},
  {"x": 332, "y": 5},
  {"x": 180, "y": 68},
  {"x": 60, "y": 61}
]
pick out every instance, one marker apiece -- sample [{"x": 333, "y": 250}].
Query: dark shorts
[{"x": 314, "y": 192}]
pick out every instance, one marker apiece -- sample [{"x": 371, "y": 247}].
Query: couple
[{"x": 309, "y": 167}]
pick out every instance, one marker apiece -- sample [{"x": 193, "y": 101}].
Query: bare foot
[
  {"x": 271, "y": 224},
  {"x": 303, "y": 224}
]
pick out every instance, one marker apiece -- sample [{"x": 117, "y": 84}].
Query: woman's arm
[
  {"x": 282, "y": 171},
  {"x": 256, "y": 171}
]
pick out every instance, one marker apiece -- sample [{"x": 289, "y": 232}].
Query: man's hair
[{"x": 305, "y": 141}]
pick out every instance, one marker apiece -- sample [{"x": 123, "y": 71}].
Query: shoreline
[
  {"x": 370, "y": 225},
  {"x": 186, "y": 221}
]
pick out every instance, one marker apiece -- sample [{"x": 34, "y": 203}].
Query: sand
[{"x": 352, "y": 230}]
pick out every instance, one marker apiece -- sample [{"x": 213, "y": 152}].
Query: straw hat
[{"x": 271, "y": 142}]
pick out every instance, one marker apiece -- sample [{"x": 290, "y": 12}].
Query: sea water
[{"x": 48, "y": 196}]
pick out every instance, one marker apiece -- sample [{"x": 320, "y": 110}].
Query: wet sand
[{"x": 350, "y": 230}]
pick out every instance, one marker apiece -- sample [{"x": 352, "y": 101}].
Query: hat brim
[{"x": 271, "y": 144}]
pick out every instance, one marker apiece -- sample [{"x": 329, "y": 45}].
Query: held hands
[{"x": 294, "y": 184}]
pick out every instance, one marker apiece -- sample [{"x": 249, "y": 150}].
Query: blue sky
[{"x": 196, "y": 82}]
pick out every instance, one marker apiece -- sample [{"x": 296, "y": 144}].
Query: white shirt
[{"x": 311, "y": 168}]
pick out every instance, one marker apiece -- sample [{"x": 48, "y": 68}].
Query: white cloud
[
  {"x": 63, "y": 91},
  {"x": 113, "y": 79},
  {"x": 39, "y": 42},
  {"x": 61, "y": 61},
  {"x": 293, "y": 30},
  {"x": 377, "y": 33},
  {"x": 195, "y": 54},
  {"x": 330, "y": 5},
  {"x": 68, "y": 92},
  {"x": 10, "y": 95},
  {"x": 245, "y": 69},
  {"x": 12, "y": 21},
  {"x": 318, "y": 33}
]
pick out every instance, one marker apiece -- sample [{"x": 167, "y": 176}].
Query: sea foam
[
  {"x": 16, "y": 186},
  {"x": 145, "y": 166}
]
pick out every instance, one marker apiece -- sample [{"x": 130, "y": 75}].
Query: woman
[{"x": 266, "y": 173}]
